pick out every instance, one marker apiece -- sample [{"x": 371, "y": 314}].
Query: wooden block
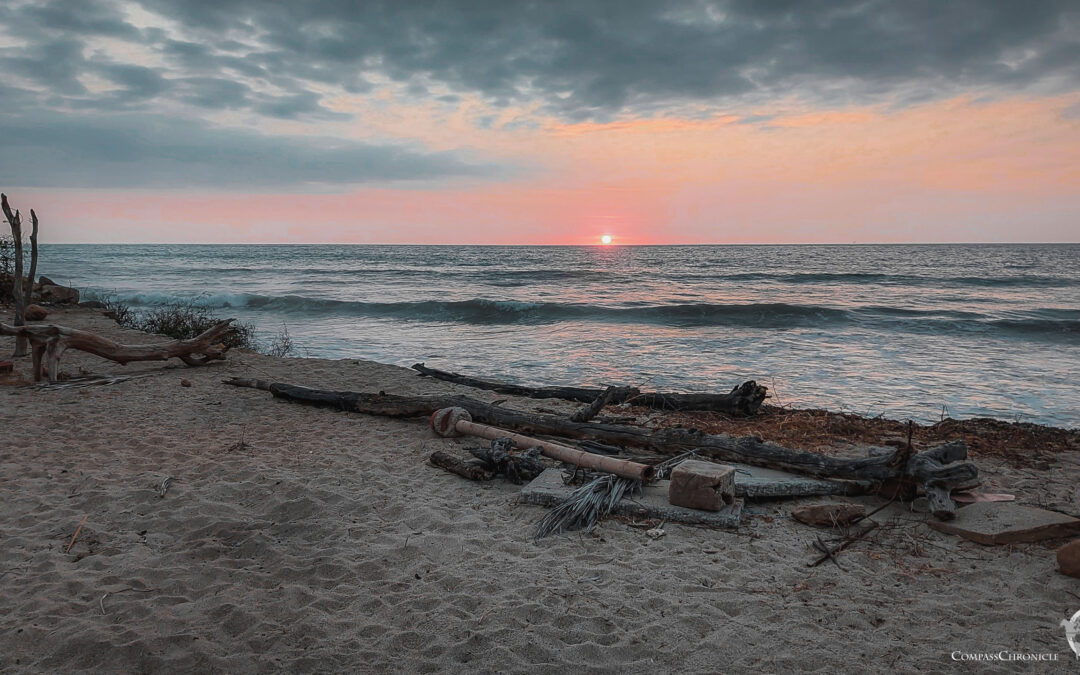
[
  {"x": 993, "y": 523},
  {"x": 702, "y": 485}
]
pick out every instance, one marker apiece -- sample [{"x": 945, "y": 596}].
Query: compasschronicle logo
[{"x": 1072, "y": 632}]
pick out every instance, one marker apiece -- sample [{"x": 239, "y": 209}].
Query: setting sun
[{"x": 605, "y": 239}]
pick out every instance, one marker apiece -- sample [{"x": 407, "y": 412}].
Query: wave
[
  {"x": 527, "y": 276},
  {"x": 1049, "y": 323}
]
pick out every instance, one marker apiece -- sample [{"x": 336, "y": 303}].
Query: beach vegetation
[
  {"x": 180, "y": 320},
  {"x": 281, "y": 345},
  {"x": 185, "y": 319}
]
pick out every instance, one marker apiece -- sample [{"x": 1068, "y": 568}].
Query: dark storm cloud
[
  {"x": 597, "y": 59},
  {"x": 143, "y": 151},
  {"x": 588, "y": 59},
  {"x": 72, "y": 63}
]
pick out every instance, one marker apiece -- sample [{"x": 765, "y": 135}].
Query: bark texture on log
[
  {"x": 935, "y": 468},
  {"x": 461, "y": 467},
  {"x": 744, "y": 399},
  {"x": 50, "y": 342}
]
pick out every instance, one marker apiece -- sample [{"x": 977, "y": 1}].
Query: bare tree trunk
[
  {"x": 15, "y": 222},
  {"x": 28, "y": 296}
]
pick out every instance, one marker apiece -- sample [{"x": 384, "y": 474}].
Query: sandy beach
[{"x": 311, "y": 540}]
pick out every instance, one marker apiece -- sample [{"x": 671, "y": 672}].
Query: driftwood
[
  {"x": 19, "y": 299},
  {"x": 461, "y": 467},
  {"x": 457, "y": 421},
  {"x": 49, "y": 343},
  {"x": 609, "y": 396},
  {"x": 518, "y": 467},
  {"x": 744, "y": 399},
  {"x": 928, "y": 470}
]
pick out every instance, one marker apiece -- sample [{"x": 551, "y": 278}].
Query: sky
[{"x": 322, "y": 121}]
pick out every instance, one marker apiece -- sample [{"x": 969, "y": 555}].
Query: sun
[{"x": 605, "y": 239}]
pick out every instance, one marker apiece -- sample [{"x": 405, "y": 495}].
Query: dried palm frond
[{"x": 586, "y": 505}]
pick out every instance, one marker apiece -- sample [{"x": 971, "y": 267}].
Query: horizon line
[{"x": 612, "y": 245}]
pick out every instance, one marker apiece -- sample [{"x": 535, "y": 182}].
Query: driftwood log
[
  {"x": 50, "y": 342},
  {"x": 744, "y": 399},
  {"x": 937, "y": 470},
  {"x": 464, "y": 468}
]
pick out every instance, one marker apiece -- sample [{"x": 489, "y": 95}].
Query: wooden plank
[{"x": 995, "y": 523}]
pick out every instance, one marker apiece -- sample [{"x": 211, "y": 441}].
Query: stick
[
  {"x": 76, "y": 535},
  {"x": 849, "y": 540}
]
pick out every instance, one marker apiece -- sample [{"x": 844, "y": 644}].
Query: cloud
[
  {"x": 596, "y": 59},
  {"x": 583, "y": 59},
  {"x": 132, "y": 83},
  {"x": 142, "y": 151}
]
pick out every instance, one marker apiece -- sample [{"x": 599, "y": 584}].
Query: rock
[
  {"x": 185, "y": 383},
  {"x": 35, "y": 313},
  {"x": 702, "y": 485},
  {"x": 6, "y": 366},
  {"x": 828, "y": 515},
  {"x": 93, "y": 304},
  {"x": 59, "y": 295},
  {"x": 994, "y": 523},
  {"x": 1068, "y": 559},
  {"x": 46, "y": 281}
]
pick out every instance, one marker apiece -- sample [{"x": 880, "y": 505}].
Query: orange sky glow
[{"x": 999, "y": 171}]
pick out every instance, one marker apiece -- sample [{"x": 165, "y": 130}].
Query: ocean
[{"x": 904, "y": 331}]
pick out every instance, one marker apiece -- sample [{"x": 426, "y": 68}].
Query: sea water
[{"x": 905, "y": 331}]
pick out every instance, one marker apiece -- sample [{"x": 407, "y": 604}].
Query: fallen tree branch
[
  {"x": 931, "y": 472},
  {"x": 50, "y": 342},
  {"x": 744, "y": 399}
]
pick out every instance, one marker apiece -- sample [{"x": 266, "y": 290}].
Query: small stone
[
  {"x": 655, "y": 533},
  {"x": 185, "y": 383},
  {"x": 702, "y": 485},
  {"x": 35, "y": 313},
  {"x": 828, "y": 515},
  {"x": 1068, "y": 559}
]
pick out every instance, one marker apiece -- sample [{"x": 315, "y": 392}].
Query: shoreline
[{"x": 309, "y": 539}]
